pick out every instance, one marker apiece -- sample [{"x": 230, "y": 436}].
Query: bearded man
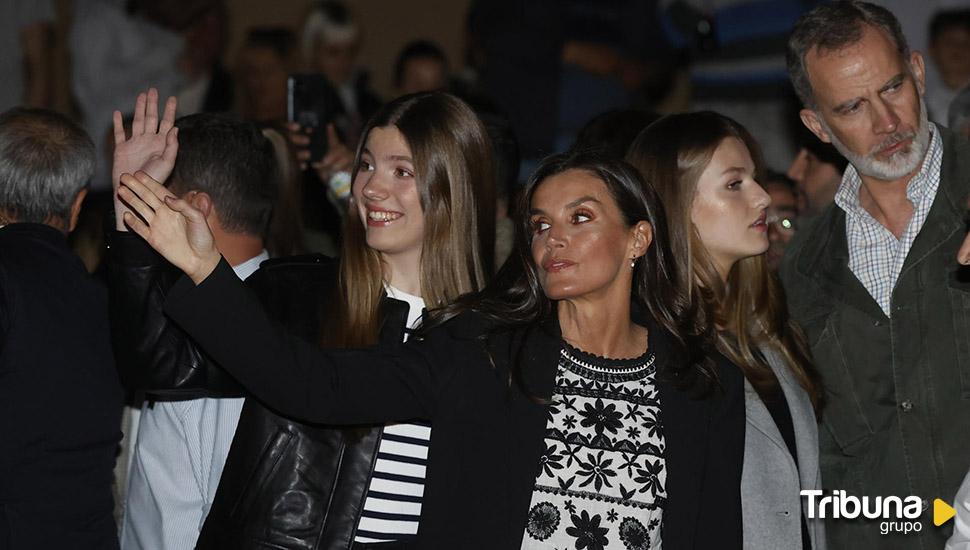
[{"x": 876, "y": 284}]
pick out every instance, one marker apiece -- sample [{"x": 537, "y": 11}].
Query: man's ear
[
  {"x": 642, "y": 237},
  {"x": 201, "y": 201},
  {"x": 919, "y": 71},
  {"x": 76, "y": 209},
  {"x": 811, "y": 121}
]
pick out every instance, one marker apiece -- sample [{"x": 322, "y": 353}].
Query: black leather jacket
[
  {"x": 288, "y": 484},
  {"x": 285, "y": 484},
  {"x": 154, "y": 356}
]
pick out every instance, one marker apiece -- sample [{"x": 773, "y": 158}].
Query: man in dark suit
[{"x": 60, "y": 399}]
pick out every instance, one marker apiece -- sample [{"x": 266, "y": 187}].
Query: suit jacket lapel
[{"x": 946, "y": 215}]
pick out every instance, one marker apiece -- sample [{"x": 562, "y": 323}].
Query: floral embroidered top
[{"x": 602, "y": 478}]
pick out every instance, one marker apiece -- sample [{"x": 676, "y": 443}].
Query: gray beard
[{"x": 898, "y": 165}]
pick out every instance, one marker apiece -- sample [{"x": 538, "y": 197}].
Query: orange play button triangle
[{"x": 942, "y": 512}]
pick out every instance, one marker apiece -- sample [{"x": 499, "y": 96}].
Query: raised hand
[
  {"x": 152, "y": 147},
  {"x": 338, "y": 158},
  {"x": 172, "y": 226}
]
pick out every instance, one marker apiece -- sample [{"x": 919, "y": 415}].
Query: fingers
[
  {"x": 168, "y": 118},
  {"x": 138, "y": 122},
  {"x": 133, "y": 198},
  {"x": 119, "y": 128},
  {"x": 171, "y": 146},
  {"x": 183, "y": 207},
  {"x": 145, "y": 189},
  {"x": 136, "y": 225},
  {"x": 151, "y": 111},
  {"x": 963, "y": 256}
]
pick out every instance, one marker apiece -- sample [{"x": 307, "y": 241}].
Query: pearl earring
[{"x": 633, "y": 263}]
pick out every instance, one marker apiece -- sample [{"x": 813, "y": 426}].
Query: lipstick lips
[{"x": 555, "y": 265}]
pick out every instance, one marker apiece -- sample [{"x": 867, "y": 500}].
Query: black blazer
[{"x": 487, "y": 434}]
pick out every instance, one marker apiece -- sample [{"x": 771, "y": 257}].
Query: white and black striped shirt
[{"x": 392, "y": 508}]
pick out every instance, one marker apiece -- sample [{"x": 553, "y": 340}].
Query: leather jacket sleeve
[{"x": 153, "y": 354}]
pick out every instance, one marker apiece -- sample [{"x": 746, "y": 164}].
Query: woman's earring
[{"x": 633, "y": 263}]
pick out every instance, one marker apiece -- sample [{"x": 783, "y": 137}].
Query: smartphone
[{"x": 312, "y": 103}]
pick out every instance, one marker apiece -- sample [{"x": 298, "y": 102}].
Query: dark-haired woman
[
  {"x": 565, "y": 399},
  {"x": 704, "y": 166}
]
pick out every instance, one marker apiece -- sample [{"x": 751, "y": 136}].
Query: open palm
[{"x": 152, "y": 147}]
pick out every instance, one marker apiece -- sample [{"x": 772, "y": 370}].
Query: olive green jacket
[{"x": 897, "y": 418}]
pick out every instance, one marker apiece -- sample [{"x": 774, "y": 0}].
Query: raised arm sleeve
[
  {"x": 300, "y": 379},
  {"x": 153, "y": 354}
]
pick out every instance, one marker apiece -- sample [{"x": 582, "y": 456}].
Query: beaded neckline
[{"x": 606, "y": 365}]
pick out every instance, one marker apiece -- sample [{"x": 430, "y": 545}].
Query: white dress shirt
[{"x": 176, "y": 464}]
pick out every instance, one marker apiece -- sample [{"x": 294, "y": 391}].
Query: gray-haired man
[
  {"x": 875, "y": 283},
  {"x": 60, "y": 399}
]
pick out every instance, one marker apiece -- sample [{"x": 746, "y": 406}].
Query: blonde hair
[{"x": 747, "y": 312}]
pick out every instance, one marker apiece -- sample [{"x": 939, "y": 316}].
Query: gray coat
[{"x": 770, "y": 480}]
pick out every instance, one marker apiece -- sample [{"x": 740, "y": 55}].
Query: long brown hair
[
  {"x": 453, "y": 167},
  {"x": 749, "y": 311}
]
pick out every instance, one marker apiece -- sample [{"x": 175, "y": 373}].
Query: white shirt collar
[{"x": 247, "y": 268}]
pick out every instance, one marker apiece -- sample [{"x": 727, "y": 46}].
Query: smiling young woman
[{"x": 418, "y": 226}]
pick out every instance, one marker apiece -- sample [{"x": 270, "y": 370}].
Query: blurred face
[
  {"x": 385, "y": 194},
  {"x": 423, "y": 74},
  {"x": 781, "y": 221},
  {"x": 816, "y": 181},
  {"x": 869, "y": 106},
  {"x": 580, "y": 243},
  {"x": 336, "y": 60},
  {"x": 263, "y": 77},
  {"x": 951, "y": 52},
  {"x": 729, "y": 208}
]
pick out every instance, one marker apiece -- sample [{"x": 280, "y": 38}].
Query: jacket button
[
  {"x": 906, "y": 405},
  {"x": 877, "y": 323}
]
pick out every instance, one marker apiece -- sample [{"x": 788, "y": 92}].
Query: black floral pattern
[
  {"x": 603, "y": 465},
  {"x": 551, "y": 460},
  {"x": 597, "y": 471},
  {"x": 543, "y": 521},
  {"x": 587, "y": 532},
  {"x": 634, "y": 535},
  {"x": 649, "y": 477},
  {"x": 601, "y": 417}
]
